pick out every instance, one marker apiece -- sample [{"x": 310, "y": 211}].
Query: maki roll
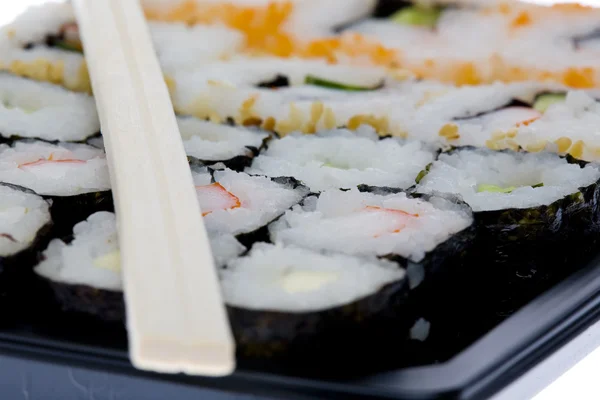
[
  {"x": 84, "y": 269},
  {"x": 568, "y": 125},
  {"x": 342, "y": 159},
  {"x": 292, "y": 304},
  {"x": 535, "y": 213},
  {"x": 30, "y": 109},
  {"x": 25, "y": 223},
  {"x": 74, "y": 176},
  {"x": 243, "y": 205},
  {"x": 428, "y": 236},
  {"x": 380, "y": 223},
  {"x": 84, "y": 272},
  {"x": 208, "y": 143}
]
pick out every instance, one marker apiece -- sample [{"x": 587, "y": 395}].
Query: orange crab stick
[
  {"x": 50, "y": 160},
  {"x": 400, "y": 217},
  {"x": 215, "y": 197}
]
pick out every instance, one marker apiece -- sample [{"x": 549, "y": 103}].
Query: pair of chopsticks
[{"x": 176, "y": 319}]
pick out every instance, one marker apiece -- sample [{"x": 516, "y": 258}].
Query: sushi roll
[
  {"x": 422, "y": 234},
  {"x": 535, "y": 213},
  {"x": 239, "y": 204},
  {"x": 342, "y": 159},
  {"x": 292, "y": 304},
  {"x": 567, "y": 125},
  {"x": 74, "y": 176},
  {"x": 208, "y": 143},
  {"x": 84, "y": 269},
  {"x": 25, "y": 224},
  {"x": 37, "y": 45},
  {"x": 497, "y": 47},
  {"x": 31, "y": 109}
]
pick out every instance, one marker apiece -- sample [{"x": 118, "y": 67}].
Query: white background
[{"x": 581, "y": 382}]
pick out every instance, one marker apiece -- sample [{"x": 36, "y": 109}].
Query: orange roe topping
[
  {"x": 573, "y": 7},
  {"x": 264, "y": 28},
  {"x": 523, "y": 19},
  {"x": 581, "y": 78},
  {"x": 264, "y": 31}
]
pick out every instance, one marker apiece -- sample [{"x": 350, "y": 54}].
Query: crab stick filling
[{"x": 215, "y": 197}]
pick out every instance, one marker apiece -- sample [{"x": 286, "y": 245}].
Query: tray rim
[{"x": 516, "y": 345}]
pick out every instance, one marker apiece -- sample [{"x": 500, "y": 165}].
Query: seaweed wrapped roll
[
  {"x": 285, "y": 301},
  {"x": 25, "y": 222},
  {"x": 74, "y": 176},
  {"x": 535, "y": 213},
  {"x": 31, "y": 109},
  {"x": 84, "y": 270},
  {"x": 342, "y": 159},
  {"x": 243, "y": 205},
  {"x": 209, "y": 143}
]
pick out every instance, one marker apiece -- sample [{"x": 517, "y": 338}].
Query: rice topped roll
[
  {"x": 84, "y": 269},
  {"x": 535, "y": 213},
  {"x": 74, "y": 176},
  {"x": 282, "y": 19},
  {"x": 567, "y": 125},
  {"x": 243, "y": 205},
  {"x": 208, "y": 143},
  {"x": 181, "y": 47},
  {"x": 471, "y": 115},
  {"x": 343, "y": 159},
  {"x": 502, "y": 35},
  {"x": 31, "y": 109},
  {"x": 285, "y": 301},
  {"x": 24, "y": 224},
  {"x": 38, "y": 45}
]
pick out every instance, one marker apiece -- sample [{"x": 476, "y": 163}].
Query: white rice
[
  {"x": 214, "y": 142},
  {"x": 182, "y": 47},
  {"x": 22, "y": 216},
  {"x": 259, "y": 201},
  {"x": 464, "y": 171},
  {"x": 340, "y": 159},
  {"x": 577, "y": 119},
  {"x": 291, "y": 279},
  {"x": 363, "y": 223},
  {"x": 37, "y": 165},
  {"x": 93, "y": 257},
  {"x": 41, "y": 110}
]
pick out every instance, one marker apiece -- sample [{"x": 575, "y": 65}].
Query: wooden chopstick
[{"x": 176, "y": 319}]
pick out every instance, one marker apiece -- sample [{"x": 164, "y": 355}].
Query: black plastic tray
[{"x": 35, "y": 364}]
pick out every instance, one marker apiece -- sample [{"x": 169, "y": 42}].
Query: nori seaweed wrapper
[
  {"x": 370, "y": 328},
  {"x": 67, "y": 211},
  {"x": 525, "y": 250},
  {"x": 237, "y": 163},
  {"x": 106, "y": 305},
  {"x": 519, "y": 253},
  {"x": 16, "y": 269}
]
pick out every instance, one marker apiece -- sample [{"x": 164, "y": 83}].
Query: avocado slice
[
  {"x": 418, "y": 15},
  {"x": 498, "y": 189},
  {"x": 316, "y": 81},
  {"x": 69, "y": 46},
  {"x": 543, "y": 101}
]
